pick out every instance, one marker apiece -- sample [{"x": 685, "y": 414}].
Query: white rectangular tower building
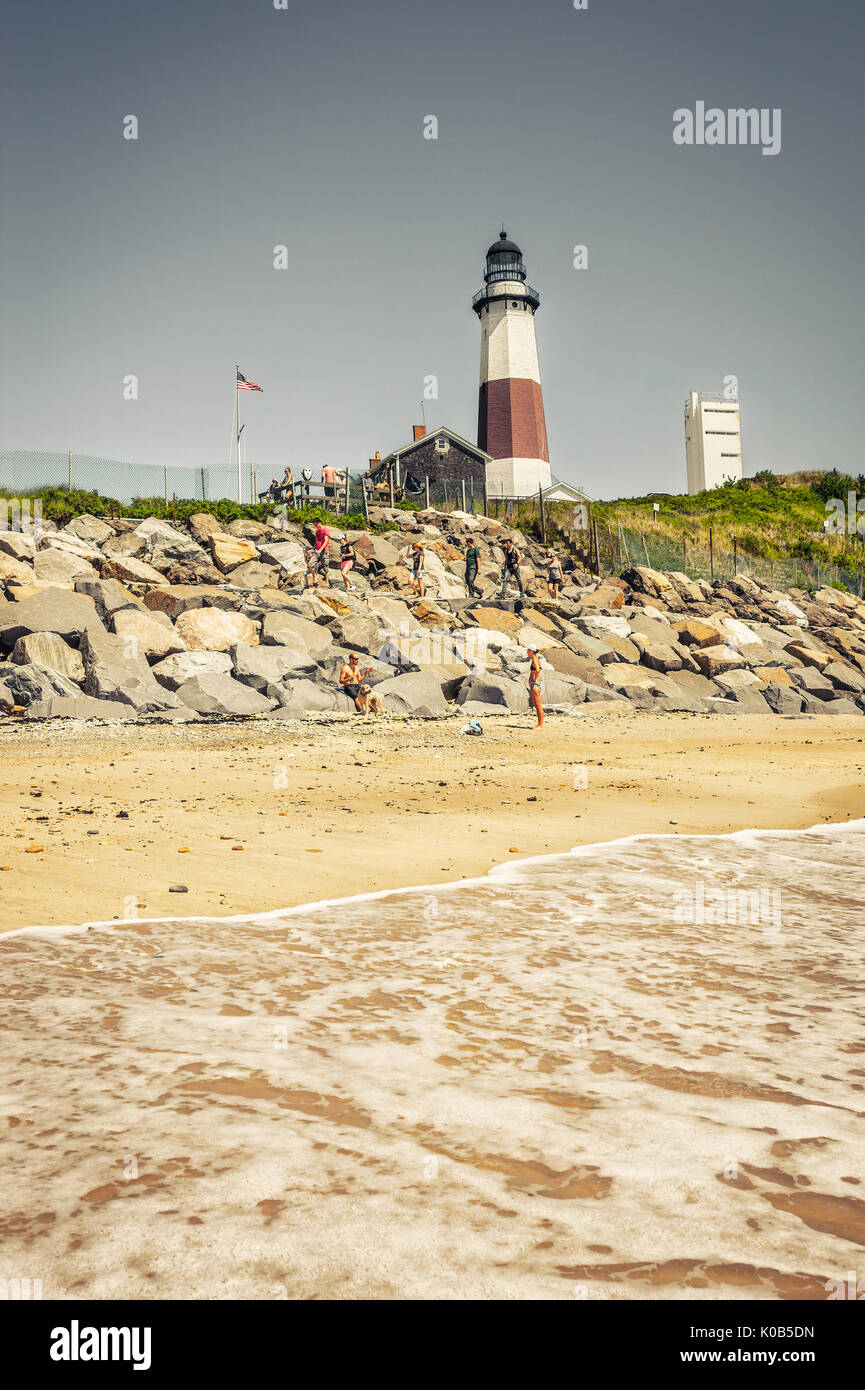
[{"x": 713, "y": 440}]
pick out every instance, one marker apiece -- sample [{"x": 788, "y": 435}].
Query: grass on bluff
[{"x": 770, "y": 517}]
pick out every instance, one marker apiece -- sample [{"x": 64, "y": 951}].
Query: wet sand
[
  {"x": 254, "y": 816},
  {"x": 554, "y": 1082}
]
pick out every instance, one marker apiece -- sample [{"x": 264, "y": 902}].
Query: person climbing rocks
[
  {"x": 512, "y": 566},
  {"x": 473, "y": 559}
]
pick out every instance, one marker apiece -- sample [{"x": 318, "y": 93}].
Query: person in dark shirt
[
  {"x": 473, "y": 559},
  {"x": 347, "y": 558},
  {"x": 512, "y": 566}
]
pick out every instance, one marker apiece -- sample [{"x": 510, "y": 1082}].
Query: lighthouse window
[{"x": 513, "y": 304}]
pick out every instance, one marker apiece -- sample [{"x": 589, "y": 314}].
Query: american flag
[{"x": 243, "y": 384}]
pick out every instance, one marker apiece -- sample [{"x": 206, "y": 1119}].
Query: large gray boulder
[
  {"x": 15, "y": 571},
  {"x": 253, "y": 575},
  {"x": 490, "y": 689},
  {"x": 419, "y": 692},
  {"x": 61, "y": 567},
  {"x": 812, "y": 682},
  {"x": 841, "y": 705},
  {"x": 89, "y": 528},
  {"x": 693, "y": 683},
  {"x": 844, "y": 677},
  {"x": 751, "y": 701},
  {"x": 571, "y": 664},
  {"x": 175, "y": 599},
  {"x": 296, "y": 698},
  {"x": 126, "y": 544},
  {"x": 131, "y": 571},
  {"x": 165, "y": 545},
  {"x": 19, "y": 544},
  {"x": 212, "y": 693},
  {"x": 359, "y": 633},
  {"x": 47, "y": 649},
  {"x": 260, "y": 667},
  {"x": 287, "y": 556},
  {"x": 660, "y": 656},
  {"x": 108, "y": 595},
  {"x": 79, "y": 707},
  {"x": 561, "y": 689},
  {"x": 54, "y": 610},
  {"x": 282, "y": 628},
  {"x": 782, "y": 699},
  {"x": 175, "y": 670},
  {"x": 113, "y": 672},
  {"x": 34, "y": 682}
]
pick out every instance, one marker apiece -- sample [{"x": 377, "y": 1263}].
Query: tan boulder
[
  {"x": 605, "y": 596},
  {"x": 500, "y": 619},
  {"x": 808, "y": 655},
  {"x": 151, "y": 635},
  {"x": 49, "y": 649},
  {"x": 714, "y": 661},
  {"x": 773, "y": 675},
  {"x": 230, "y": 551},
  {"x": 202, "y": 526},
  {"x": 695, "y": 633},
  {"x": 131, "y": 571},
  {"x": 11, "y": 568},
  {"x": 175, "y": 599},
  {"x": 215, "y": 630}
]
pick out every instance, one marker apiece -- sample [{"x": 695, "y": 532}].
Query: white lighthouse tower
[{"x": 511, "y": 425}]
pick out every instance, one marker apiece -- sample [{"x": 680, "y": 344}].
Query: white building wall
[
  {"x": 508, "y": 344},
  {"x": 713, "y": 442},
  {"x": 517, "y": 477}
]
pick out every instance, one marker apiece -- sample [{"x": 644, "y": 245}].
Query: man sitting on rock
[{"x": 351, "y": 678}]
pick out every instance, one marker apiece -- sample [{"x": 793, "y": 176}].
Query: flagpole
[{"x": 237, "y": 414}]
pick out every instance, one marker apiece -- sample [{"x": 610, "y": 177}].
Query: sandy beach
[{"x": 98, "y": 823}]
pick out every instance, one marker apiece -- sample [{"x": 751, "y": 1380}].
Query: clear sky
[{"x": 304, "y": 127}]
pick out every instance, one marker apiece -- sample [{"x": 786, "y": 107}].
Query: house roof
[
  {"x": 566, "y": 492},
  {"x": 425, "y": 439}
]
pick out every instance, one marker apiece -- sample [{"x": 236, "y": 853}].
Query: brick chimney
[{"x": 418, "y": 431}]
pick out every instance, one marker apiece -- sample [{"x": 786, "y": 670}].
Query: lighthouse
[{"x": 511, "y": 425}]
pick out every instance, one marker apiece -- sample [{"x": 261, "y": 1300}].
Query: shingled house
[{"x": 441, "y": 455}]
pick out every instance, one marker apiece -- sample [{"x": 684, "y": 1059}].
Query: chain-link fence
[
  {"x": 27, "y": 470},
  {"x": 620, "y": 547}
]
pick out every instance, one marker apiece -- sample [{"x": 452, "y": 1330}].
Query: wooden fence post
[
  {"x": 597, "y": 549},
  {"x": 463, "y": 485},
  {"x": 684, "y": 557},
  {"x": 543, "y": 517},
  {"x": 426, "y": 489},
  {"x": 735, "y": 557},
  {"x": 486, "y": 499},
  {"x": 711, "y": 557},
  {"x": 347, "y": 491},
  {"x": 390, "y": 483},
  {"x": 645, "y": 549}
]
